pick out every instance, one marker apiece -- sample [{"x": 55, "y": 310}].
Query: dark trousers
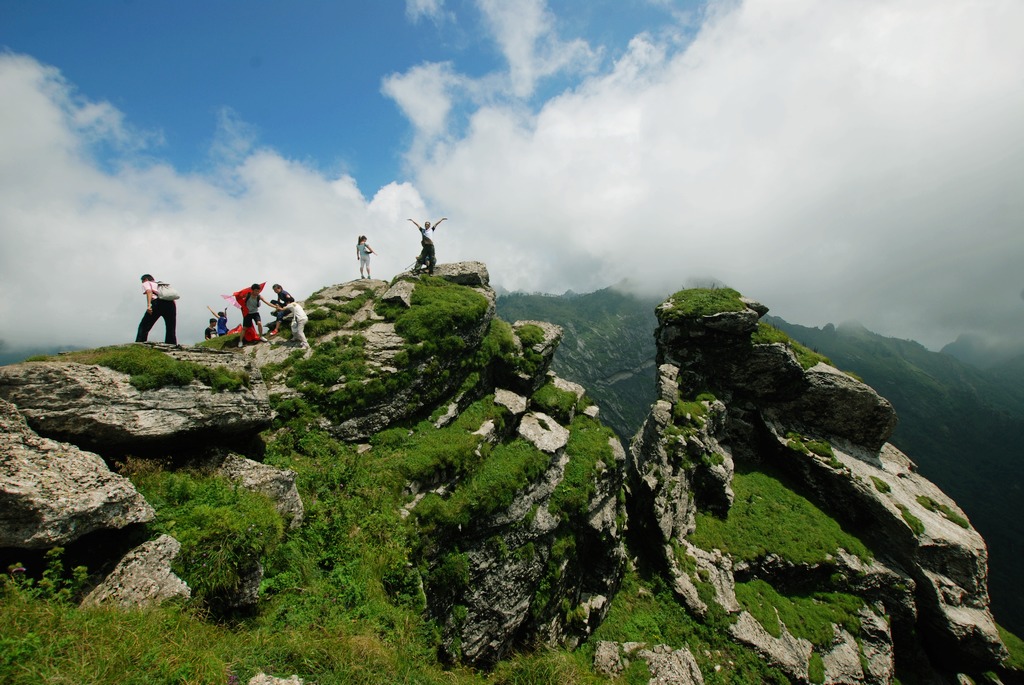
[
  {"x": 427, "y": 258},
  {"x": 161, "y": 308}
]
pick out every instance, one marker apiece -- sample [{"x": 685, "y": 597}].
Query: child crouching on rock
[{"x": 299, "y": 320}]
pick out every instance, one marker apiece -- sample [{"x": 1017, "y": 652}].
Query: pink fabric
[{"x": 150, "y": 286}]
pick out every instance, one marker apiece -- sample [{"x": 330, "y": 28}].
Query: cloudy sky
[{"x": 836, "y": 160}]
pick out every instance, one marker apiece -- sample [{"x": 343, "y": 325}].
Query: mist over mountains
[{"x": 960, "y": 422}]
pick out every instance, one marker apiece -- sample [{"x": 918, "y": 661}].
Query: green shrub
[
  {"x": 439, "y": 311},
  {"x": 822, "y": 448},
  {"x": 810, "y": 617},
  {"x": 54, "y": 582},
  {"x": 224, "y": 530},
  {"x": 450, "y": 576},
  {"x": 326, "y": 316},
  {"x": 221, "y": 342},
  {"x": 767, "y": 334},
  {"x": 499, "y": 343},
  {"x": 559, "y": 404},
  {"x": 645, "y": 609},
  {"x": 881, "y": 485},
  {"x": 931, "y": 505},
  {"x": 587, "y": 447},
  {"x": 694, "y": 412},
  {"x": 1015, "y": 646},
  {"x": 699, "y": 302},
  {"x": 768, "y": 516},
  {"x": 492, "y": 487},
  {"x": 816, "y": 668},
  {"x": 912, "y": 521},
  {"x": 530, "y": 334}
]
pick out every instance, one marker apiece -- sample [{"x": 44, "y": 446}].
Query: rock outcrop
[
  {"x": 97, "y": 407},
  {"x": 277, "y": 484},
  {"x": 52, "y": 493},
  {"x": 385, "y": 349},
  {"x": 519, "y": 530},
  {"x": 142, "y": 578},
  {"x": 731, "y": 393},
  {"x": 530, "y": 560}
]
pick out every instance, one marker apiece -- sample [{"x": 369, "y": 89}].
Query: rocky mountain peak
[
  {"x": 740, "y": 402},
  {"x": 430, "y": 461}
]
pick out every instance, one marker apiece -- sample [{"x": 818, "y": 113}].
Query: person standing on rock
[
  {"x": 155, "y": 309},
  {"x": 427, "y": 258},
  {"x": 363, "y": 252}
]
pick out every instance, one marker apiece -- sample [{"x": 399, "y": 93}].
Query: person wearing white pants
[{"x": 299, "y": 320}]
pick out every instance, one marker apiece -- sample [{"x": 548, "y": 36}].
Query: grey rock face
[
  {"x": 948, "y": 562},
  {"x": 671, "y": 666},
  {"x": 400, "y": 293},
  {"x": 931, "y": 574},
  {"x": 836, "y": 404},
  {"x": 514, "y": 402},
  {"x": 383, "y": 344},
  {"x": 52, "y": 493},
  {"x": 277, "y": 484},
  {"x": 142, "y": 578},
  {"x": 789, "y": 653},
  {"x": 264, "y": 679},
  {"x": 93, "y": 405},
  {"x": 543, "y": 432},
  {"x": 667, "y": 666},
  {"x": 501, "y": 601},
  {"x": 465, "y": 273}
]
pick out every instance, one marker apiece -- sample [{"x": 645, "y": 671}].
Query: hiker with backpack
[
  {"x": 427, "y": 258},
  {"x": 160, "y": 299}
]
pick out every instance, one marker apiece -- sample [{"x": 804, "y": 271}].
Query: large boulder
[
  {"x": 385, "y": 352},
  {"x": 833, "y": 403},
  {"x": 142, "y": 578},
  {"x": 827, "y": 432},
  {"x": 52, "y": 493},
  {"x": 98, "y": 408},
  {"x": 924, "y": 531},
  {"x": 464, "y": 273},
  {"x": 277, "y": 484}
]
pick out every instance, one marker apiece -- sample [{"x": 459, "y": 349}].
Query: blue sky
[
  {"x": 304, "y": 77},
  {"x": 834, "y": 160}
]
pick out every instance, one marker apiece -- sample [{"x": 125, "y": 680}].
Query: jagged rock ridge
[
  {"x": 732, "y": 393},
  {"x": 537, "y": 556},
  {"x": 537, "y": 570}
]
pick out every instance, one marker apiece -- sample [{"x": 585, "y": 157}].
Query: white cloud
[
  {"x": 424, "y": 94},
  {"x": 77, "y": 238},
  {"x": 418, "y": 9},
  {"x": 836, "y": 160},
  {"x": 525, "y": 33}
]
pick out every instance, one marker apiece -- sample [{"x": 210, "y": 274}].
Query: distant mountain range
[{"x": 961, "y": 424}]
